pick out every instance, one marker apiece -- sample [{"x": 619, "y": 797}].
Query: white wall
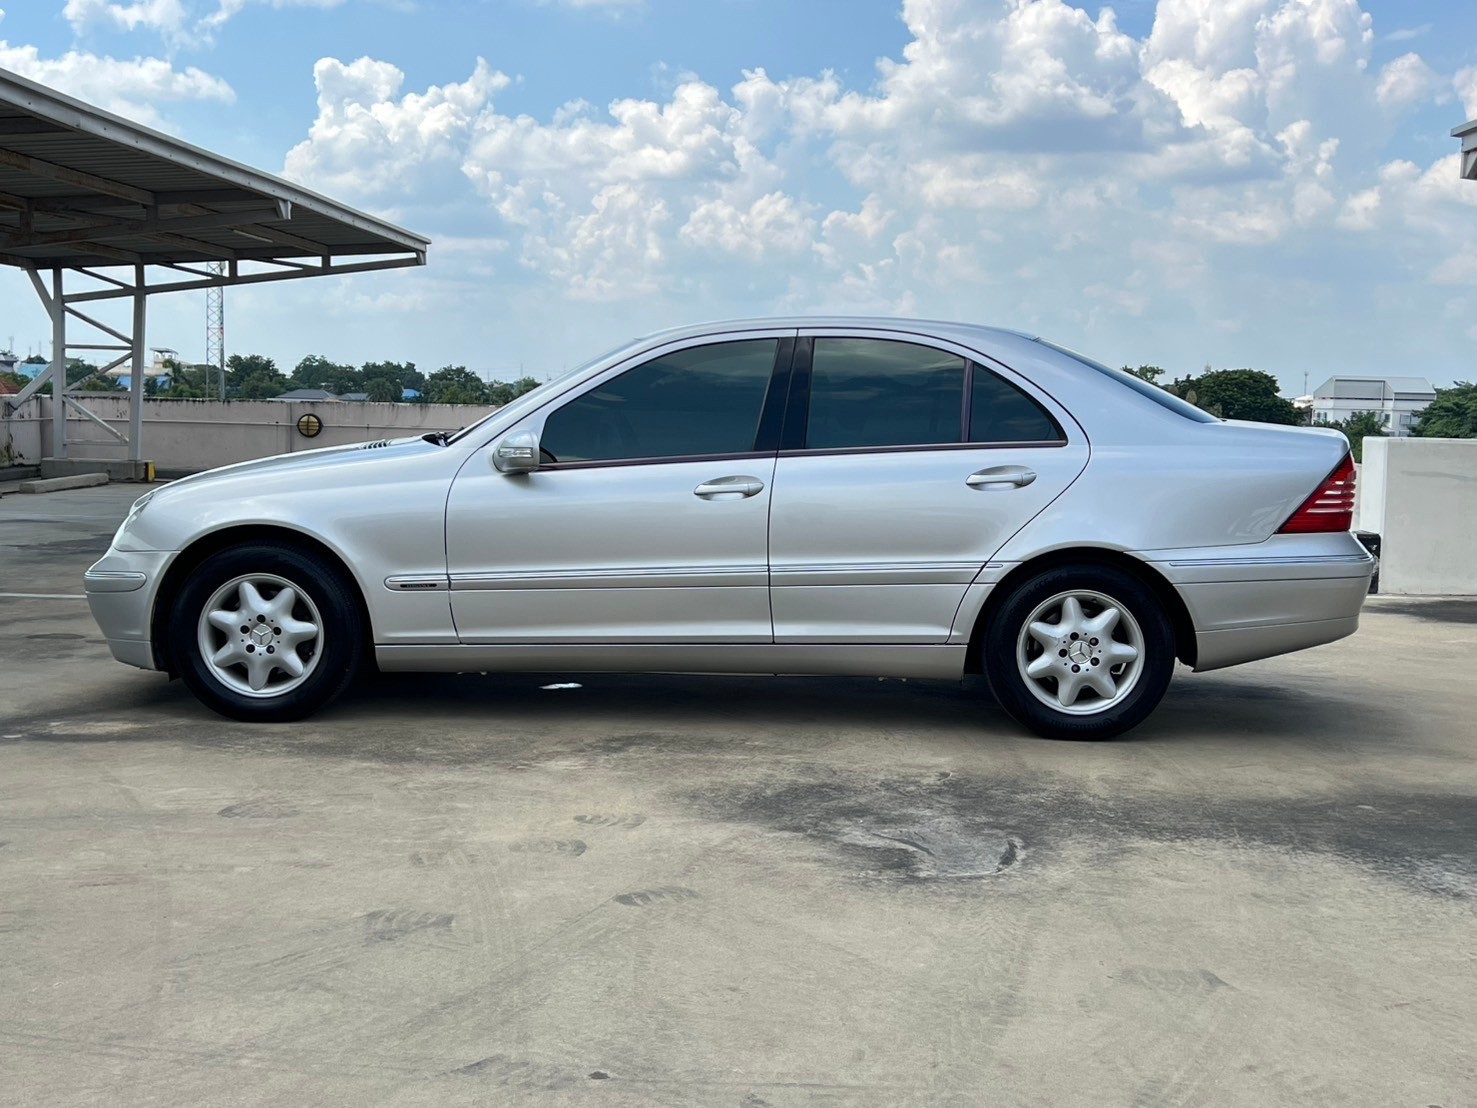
[
  {"x": 192, "y": 435},
  {"x": 1420, "y": 496},
  {"x": 1396, "y": 415}
]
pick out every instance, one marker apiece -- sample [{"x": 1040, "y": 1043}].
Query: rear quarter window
[{"x": 1162, "y": 397}]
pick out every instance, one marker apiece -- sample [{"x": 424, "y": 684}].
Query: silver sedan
[{"x": 790, "y": 496}]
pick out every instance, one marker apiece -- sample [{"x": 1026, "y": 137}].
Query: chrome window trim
[
  {"x": 925, "y": 448},
  {"x": 675, "y": 459}
]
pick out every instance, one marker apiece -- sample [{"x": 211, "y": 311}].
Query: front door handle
[
  {"x": 729, "y": 488},
  {"x": 1001, "y": 477}
]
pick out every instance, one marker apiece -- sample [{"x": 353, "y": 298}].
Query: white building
[{"x": 1396, "y": 400}]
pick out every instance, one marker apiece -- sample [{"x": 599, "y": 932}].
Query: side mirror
[{"x": 516, "y": 453}]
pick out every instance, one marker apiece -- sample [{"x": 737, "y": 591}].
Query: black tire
[
  {"x": 330, "y": 662},
  {"x": 1013, "y": 689}
]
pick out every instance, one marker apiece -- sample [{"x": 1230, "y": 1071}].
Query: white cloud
[
  {"x": 1021, "y": 158},
  {"x": 1407, "y": 34},
  {"x": 372, "y": 143},
  {"x": 133, "y": 87},
  {"x": 178, "y": 21},
  {"x": 1466, "y": 88},
  {"x": 1406, "y": 80}
]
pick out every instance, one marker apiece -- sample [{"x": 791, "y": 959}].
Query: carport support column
[
  {"x": 136, "y": 378},
  {"x": 58, "y": 310}
]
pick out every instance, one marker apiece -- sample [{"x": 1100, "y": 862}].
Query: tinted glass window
[
  {"x": 870, "y": 392},
  {"x": 1163, "y": 397},
  {"x": 705, "y": 400},
  {"x": 1000, "y": 412}
]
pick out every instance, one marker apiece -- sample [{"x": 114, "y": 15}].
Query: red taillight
[{"x": 1331, "y": 508}]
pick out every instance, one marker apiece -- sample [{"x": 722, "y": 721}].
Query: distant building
[
  {"x": 1396, "y": 400},
  {"x": 7, "y": 389}
]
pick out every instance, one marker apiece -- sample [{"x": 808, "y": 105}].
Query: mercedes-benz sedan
[{"x": 798, "y": 496}]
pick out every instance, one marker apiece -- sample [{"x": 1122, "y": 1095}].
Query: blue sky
[{"x": 1188, "y": 182}]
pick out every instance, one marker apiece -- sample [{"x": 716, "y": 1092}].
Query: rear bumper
[
  {"x": 1231, "y": 647},
  {"x": 1288, "y": 593}
]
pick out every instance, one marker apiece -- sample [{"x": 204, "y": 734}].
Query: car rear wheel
[
  {"x": 266, "y": 633},
  {"x": 1080, "y": 652}
]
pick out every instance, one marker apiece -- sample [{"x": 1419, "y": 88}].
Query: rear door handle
[
  {"x": 729, "y": 488},
  {"x": 1001, "y": 477}
]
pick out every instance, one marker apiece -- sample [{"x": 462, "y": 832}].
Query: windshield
[
  {"x": 533, "y": 397},
  {"x": 1163, "y": 397}
]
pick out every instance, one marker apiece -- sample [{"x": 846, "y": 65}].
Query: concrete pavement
[{"x": 707, "y": 891}]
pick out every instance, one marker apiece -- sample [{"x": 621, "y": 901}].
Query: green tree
[
  {"x": 1357, "y": 428},
  {"x": 188, "y": 382},
  {"x": 242, "y": 367},
  {"x": 262, "y": 386},
  {"x": 505, "y": 392},
  {"x": 15, "y": 380},
  {"x": 317, "y": 372},
  {"x": 79, "y": 372},
  {"x": 455, "y": 384},
  {"x": 382, "y": 390},
  {"x": 1238, "y": 394},
  {"x": 403, "y": 374},
  {"x": 1452, "y": 415},
  {"x": 1149, "y": 373}
]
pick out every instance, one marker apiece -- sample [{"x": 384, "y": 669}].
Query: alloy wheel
[
  {"x": 1080, "y": 652},
  {"x": 260, "y": 635}
]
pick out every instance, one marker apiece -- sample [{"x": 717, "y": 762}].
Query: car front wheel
[
  {"x": 1080, "y": 652},
  {"x": 267, "y": 632}
]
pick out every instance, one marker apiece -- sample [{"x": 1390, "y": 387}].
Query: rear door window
[{"x": 879, "y": 393}]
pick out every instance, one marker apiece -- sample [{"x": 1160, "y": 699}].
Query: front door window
[{"x": 698, "y": 402}]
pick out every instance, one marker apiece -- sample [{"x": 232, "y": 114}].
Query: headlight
[{"x": 133, "y": 513}]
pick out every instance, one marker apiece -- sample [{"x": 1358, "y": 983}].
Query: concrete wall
[
  {"x": 1420, "y": 496},
  {"x": 192, "y": 435}
]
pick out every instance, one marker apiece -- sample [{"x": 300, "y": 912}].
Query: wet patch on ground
[
  {"x": 390, "y": 925},
  {"x": 94, "y": 546},
  {"x": 963, "y": 826}
]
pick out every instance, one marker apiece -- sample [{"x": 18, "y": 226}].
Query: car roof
[{"x": 938, "y": 327}]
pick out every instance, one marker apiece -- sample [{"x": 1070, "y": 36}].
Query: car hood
[{"x": 327, "y": 457}]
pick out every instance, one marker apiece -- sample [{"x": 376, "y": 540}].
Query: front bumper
[{"x": 121, "y": 588}]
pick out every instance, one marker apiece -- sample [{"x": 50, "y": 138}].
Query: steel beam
[
  {"x": 136, "y": 378},
  {"x": 28, "y": 125},
  {"x": 68, "y": 176},
  {"x": 58, "y": 309},
  {"x": 148, "y": 225},
  {"x": 86, "y": 413},
  {"x": 252, "y": 278}
]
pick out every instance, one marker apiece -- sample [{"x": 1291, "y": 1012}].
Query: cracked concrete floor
[{"x": 702, "y": 891}]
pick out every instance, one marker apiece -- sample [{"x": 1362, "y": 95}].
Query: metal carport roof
[
  {"x": 82, "y": 187},
  {"x": 1467, "y": 132},
  {"x": 85, "y": 192}
]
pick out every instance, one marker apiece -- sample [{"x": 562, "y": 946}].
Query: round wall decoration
[{"x": 309, "y": 425}]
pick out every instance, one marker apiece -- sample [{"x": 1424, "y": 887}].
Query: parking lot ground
[{"x": 739, "y": 892}]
